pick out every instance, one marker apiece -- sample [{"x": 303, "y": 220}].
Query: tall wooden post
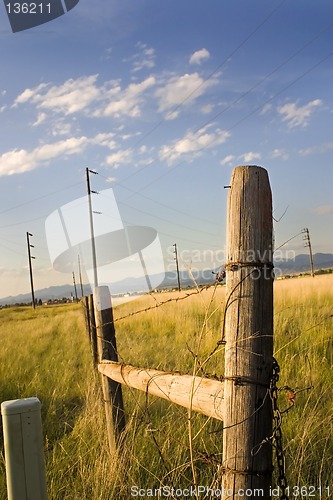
[
  {"x": 107, "y": 350},
  {"x": 247, "y": 459}
]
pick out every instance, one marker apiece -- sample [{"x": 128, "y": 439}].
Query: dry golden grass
[{"x": 46, "y": 353}]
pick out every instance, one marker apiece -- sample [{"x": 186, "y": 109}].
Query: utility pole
[
  {"x": 93, "y": 246},
  {"x": 307, "y": 243},
  {"x": 30, "y": 269},
  {"x": 177, "y": 265},
  {"x": 75, "y": 290},
  {"x": 80, "y": 275}
]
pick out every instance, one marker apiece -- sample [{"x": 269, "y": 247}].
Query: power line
[
  {"x": 40, "y": 198},
  {"x": 255, "y": 110},
  {"x": 244, "y": 94},
  {"x": 206, "y": 221},
  {"x": 174, "y": 223},
  {"x": 226, "y": 59}
]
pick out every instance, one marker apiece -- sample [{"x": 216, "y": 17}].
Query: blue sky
[{"x": 163, "y": 99}]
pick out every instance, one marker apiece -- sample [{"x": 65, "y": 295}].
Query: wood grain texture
[
  {"x": 174, "y": 387},
  {"x": 248, "y": 334},
  {"x": 107, "y": 349}
]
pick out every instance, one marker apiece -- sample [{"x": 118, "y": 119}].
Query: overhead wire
[
  {"x": 47, "y": 195},
  {"x": 244, "y": 94},
  {"x": 205, "y": 80},
  {"x": 248, "y": 115}
]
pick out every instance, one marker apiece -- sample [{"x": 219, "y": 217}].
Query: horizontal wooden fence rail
[{"x": 203, "y": 395}]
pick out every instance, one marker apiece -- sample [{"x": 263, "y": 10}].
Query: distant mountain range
[{"x": 300, "y": 264}]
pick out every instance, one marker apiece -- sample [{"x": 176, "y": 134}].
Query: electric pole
[
  {"x": 80, "y": 275},
  {"x": 177, "y": 265},
  {"x": 74, "y": 283},
  {"x": 30, "y": 269},
  {"x": 93, "y": 246},
  {"x": 307, "y": 243}
]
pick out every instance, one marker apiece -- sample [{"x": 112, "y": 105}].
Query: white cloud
[
  {"x": 40, "y": 119},
  {"x": 84, "y": 95},
  {"x": 192, "y": 144},
  {"x": 172, "y": 115},
  {"x": 104, "y": 139},
  {"x": 227, "y": 160},
  {"x": 111, "y": 179},
  {"x": 143, "y": 59},
  {"x": 267, "y": 107},
  {"x": 298, "y": 116},
  {"x": 208, "y": 108},
  {"x": 126, "y": 102},
  {"x": 324, "y": 210},
  {"x": 107, "y": 54},
  {"x": 2, "y": 108},
  {"x": 61, "y": 127},
  {"x": 182, "y": 90},
  {"x": 318, "y": 148},
  {"x": 249, "y": 157},
  {"x": 199, "y": 56},
  {"x": 70, "y": 97},
  {"x": 279, "y": 153},
  {"x": 19, "y": 161},
  {"x": 29, "y": 95},
  {"x": 121, "y": 157}
]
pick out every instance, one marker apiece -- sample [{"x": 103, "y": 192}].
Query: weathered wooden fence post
[
  {"x": 107, "y": 350},
  {"x": 247, "y": 459}
]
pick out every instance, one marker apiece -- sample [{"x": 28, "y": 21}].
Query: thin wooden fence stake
[
  {"x": 107, "y": 349},
  {"x": 247, "y": 451},
  {"x": 85, "y": 305},
  {"x": 92, "y": 331}
]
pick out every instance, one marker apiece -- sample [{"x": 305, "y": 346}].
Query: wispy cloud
[
  {"x": 249, "y": 157},
  {"x": 121, "y": 157},
  {"x": 298, "y": 116},
  {"x": 68, "y": 98},
  {"x": 323, "y": 210},
  {"x": 126, "y": 102},
  {"x": 199, "y": 56},
  {"x": 318, "y": 148},
  {"x": 144, "y": 59},
  {"x": 111, "y": 179},
  {"x": 78, "y": 95},
  {"x": 179, "y": 90},
  {"x": 40, "y": 119},
  {"x": 267, "y": 107},
  {"x": 192, "y": 144},
  {"x": 20, "y": 161},
  {"x": 61, "y": 127},
  {"x": 279, "y": 153},
  {"x": 227, "y": 160},
  {"x": 208, "y": 108}
]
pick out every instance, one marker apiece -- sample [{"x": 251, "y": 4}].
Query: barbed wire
[{"x": 215, "y": 459}]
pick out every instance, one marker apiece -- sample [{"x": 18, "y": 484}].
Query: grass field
[{"x": 46, "y": 353}]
